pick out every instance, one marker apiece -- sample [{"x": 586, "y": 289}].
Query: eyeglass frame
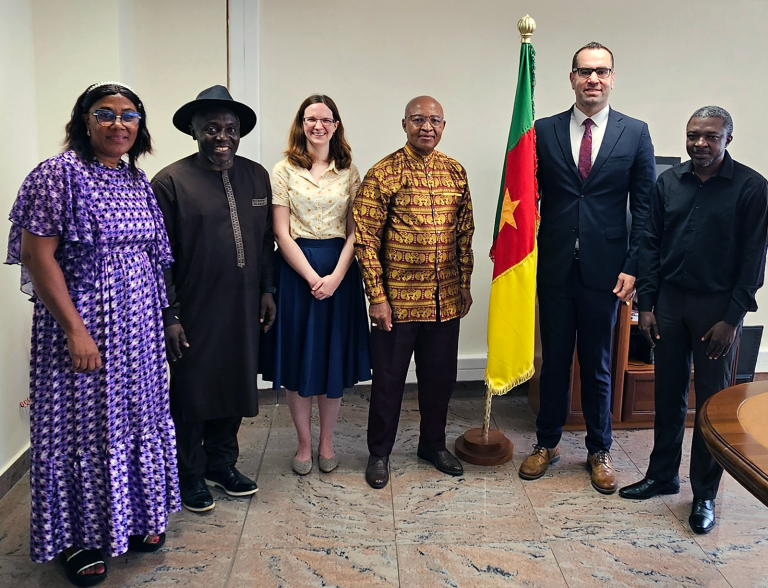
[
  {"x": 117, "y": 117},
  {"x": 592, "y": 70},
  {"x": 318, "y": 120},
  {"x": 426, "y": 118}
]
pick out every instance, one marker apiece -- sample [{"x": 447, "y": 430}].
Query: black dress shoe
[
  {"x": 646, "y": 488},
  {"x": 702, "y": 519},
  {"x": 195, "y": 495},
  {"x": 443, "y": 460},
  {"x": 377, "y": 472},
  {"x": 231, "y": 481}
]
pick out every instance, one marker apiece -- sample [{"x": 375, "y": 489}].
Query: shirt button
[
  {"x": 581, "y": 197},
  {"x": 697, "y": 208}
]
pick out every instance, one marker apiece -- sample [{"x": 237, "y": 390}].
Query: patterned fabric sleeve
[
  {"x": 51, "y": 203},
  {"x": 280, "y": 184},
  {"x": 354, "y": 182},
  {"x": 370, "y": 212},
  {"x": 465, "y": 229},
  {"x": 160, "y": 251}
]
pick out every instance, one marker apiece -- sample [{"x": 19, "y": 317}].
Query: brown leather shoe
[
  {"x": 603, "y": 476},
  {"x": 534, "y": 466}
]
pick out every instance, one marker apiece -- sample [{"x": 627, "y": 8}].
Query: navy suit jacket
[{"x": 595, "y": 210}]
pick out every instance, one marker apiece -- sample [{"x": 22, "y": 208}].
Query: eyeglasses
[
  {"x": 420, "y": 120},
  {"x": 586, "y": 72},
  {"x": 106, "y": 118},
  {"x": 312, "y": 121}
]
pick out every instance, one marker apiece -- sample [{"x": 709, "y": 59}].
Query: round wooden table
[{"x": 734, "y": 425}]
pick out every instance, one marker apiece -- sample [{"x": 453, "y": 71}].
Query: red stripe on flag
[{"x": 514, "y": 243}]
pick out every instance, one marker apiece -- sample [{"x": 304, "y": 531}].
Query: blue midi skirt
[{"x": 317, "y": 346}]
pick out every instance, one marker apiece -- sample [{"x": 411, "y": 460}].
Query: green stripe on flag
[{"x": 522, "y": 117}]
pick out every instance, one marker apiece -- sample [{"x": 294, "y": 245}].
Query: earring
[{"x": 88, "y": 132}]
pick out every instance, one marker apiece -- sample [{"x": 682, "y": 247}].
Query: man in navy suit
[{"x": 591, "y": 159}]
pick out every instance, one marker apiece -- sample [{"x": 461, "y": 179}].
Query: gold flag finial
[{"x": 526, "y": 26}]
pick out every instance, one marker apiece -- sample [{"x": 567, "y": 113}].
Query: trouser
[
  {"x": 435, "y": 347},
  {"x": 564, "y": 311},
  {"x": 683, "y": 319},
  {"x": 206, "y": 445}
]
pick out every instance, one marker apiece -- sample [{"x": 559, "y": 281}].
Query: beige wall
[
  {"x": 49, "y": 53},
  {"x": 18, "y": 155},
  {"x": 671, "y": 57}
]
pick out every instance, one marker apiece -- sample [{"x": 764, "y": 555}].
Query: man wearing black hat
[{"x": 217, "y": 214}]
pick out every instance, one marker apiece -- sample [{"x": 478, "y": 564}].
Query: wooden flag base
[{"x": 494, "y": 450}]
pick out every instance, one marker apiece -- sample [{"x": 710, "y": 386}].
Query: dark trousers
[
  {"x": 683, "y": 319},
  {"x": 435, "y": 347},
  {"x": 575, "y": 315},
  {"x": 206, "y": 445}
]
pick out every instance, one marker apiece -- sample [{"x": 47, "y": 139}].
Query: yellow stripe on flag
[{"x": 510, "y": 344}]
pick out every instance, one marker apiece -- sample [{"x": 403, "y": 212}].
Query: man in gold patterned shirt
[{"x": 414, "y": 226}]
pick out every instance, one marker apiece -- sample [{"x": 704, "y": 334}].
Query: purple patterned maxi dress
[{"x": 103, "y": 449}]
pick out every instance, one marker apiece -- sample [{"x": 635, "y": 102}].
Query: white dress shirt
[{"x": 577, "y": 131}]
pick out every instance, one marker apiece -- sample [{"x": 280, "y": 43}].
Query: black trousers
[
  {"x": 435, "y": 347},
  {"x": 564, "y": 311},
  {"x": 206, "y": 445},
  {"x": 683, "y": 319}
]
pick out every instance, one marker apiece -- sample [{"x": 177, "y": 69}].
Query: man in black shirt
[{"x": 700, "y": 266}]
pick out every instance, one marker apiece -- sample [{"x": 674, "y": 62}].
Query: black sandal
[
  {"x": 81, "y": 560},
  {"x": 139, "y": 543}
]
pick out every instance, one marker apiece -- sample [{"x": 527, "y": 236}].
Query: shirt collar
[
  {"x": 413, "y": 154},
  {"x": 331, "y": 168},
  {"x": 599, "y": 118},
  {"x": 726, "y": 170}
]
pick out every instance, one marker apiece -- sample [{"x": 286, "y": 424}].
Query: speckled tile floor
[{"x": 485, "y": 529}]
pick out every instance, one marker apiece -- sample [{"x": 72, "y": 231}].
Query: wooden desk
[{"x": 735, "y": 430}]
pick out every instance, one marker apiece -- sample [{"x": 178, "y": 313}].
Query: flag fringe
[
  {"x": 522, "y": 261},
  {"x": 500, "y": 390}
]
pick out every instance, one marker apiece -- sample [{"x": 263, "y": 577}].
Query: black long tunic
[{"x": 215, "y": 283}]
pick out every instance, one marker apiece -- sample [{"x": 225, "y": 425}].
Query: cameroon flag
[{"x": 513, "y": 290}]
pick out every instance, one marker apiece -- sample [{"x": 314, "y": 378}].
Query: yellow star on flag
[{"x": 508, "y": 211}]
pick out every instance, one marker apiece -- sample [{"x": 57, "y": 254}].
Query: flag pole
[
  {"x": 488, "y": 446},
  {"x": 487, "y": 417}
]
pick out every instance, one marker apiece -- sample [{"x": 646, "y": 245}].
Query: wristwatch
[{"x": 271, "y": 290}]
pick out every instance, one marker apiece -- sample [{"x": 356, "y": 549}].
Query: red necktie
[{"x": 585, "y": 152}]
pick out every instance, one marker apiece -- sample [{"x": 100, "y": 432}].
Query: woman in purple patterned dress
[{"x": 90, "y": 236}]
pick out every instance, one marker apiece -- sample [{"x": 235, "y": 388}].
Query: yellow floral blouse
[{"x": 318, "y": 208}]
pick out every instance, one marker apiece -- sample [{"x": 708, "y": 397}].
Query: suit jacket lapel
[
  {"x": 563, "y": 133},
  {"x": 613, "y": 130}
]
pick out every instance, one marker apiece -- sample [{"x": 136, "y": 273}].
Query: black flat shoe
[
  {"x": 702, "y": 519},
  {"x": 81, "y": 560},
  {"x": 377, "y": 472},
  {"x": 646, "y": 488},
  {"x": 195, "y": 495},
  {"x": 139, "y": 543},
  {"x": 231, "y": 481},
  {"x": 443, "y": 460}
]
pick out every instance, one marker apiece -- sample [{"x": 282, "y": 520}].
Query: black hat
[{"x": 215, "y": 96}]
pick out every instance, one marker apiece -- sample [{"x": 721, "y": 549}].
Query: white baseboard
[{"x": 471, "y": 369}]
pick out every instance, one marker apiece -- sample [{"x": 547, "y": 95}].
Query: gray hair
[{"x": 715, "y": 112}]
